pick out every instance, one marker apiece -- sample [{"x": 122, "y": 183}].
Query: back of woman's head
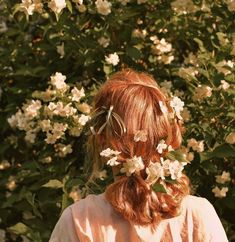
[{"x": 132, "y": 116}]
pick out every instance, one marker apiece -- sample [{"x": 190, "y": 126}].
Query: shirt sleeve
[
  {"x": 211, "y": 227},
  {"x": 64, "y": 230}
]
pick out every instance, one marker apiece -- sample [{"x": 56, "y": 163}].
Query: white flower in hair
[
  {"x": 109, "y": 152},
  {"x": 154, "y": 172},
  {"x": 177, "y": 105},
  {"x": 176, "y": 168},
  {"x": 113, "y": 161},
  {"x": 161, "y": 146},
  {"x": 132, "y": 165},
  {"x": 165, "y": 165},
  {"x": 140, "y": 135},
  {"x": 163, "y": 107},
  {"x": 170, "y": 148}
]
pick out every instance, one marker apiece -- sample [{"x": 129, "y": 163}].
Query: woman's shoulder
[
  {"x": 92, "y": 206},
  {"x": 198, "y": 206},
  {"x": 92, "y": 200},
  {"x": 196, "y": 203}
]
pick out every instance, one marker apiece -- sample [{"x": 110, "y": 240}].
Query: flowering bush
[{"x": 188, "y": 46}]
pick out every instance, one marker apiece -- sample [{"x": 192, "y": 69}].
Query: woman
[{"x": 136, "y": 130}]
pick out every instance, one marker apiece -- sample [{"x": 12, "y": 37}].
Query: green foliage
[{"x": 183, "y": 47}]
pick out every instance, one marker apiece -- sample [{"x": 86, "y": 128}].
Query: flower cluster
[
  {"x": 55, "y": 111},
  {"x": 160, "y": 170},
  {"x": 162, "y": 49},
  {"x": 177, "y": 106},
  {"x": 221, "y": 179},
  {"x": 112, "y": 59}
]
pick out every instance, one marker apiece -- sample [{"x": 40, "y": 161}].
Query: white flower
[
  {"x": 201, "y": 92},
  {"x": 38, "y": 6},
  {"x": 113, "y": 161},
  {"x": 75, "y": 131},
  {"x": 27, "y": 6},
  {"x": 163, "y": 46},
  {"x": 161, "y": 146},
  {"x": 104, "y": 42},
  {"x": 169, "y": 148},
  {"x": 165, "y": 165},
  {"x": 59, "y": 127},
  {"x": 4, "y": 165},
  {"x": 224, "y": 85},
  {"x": 84, "y": 108},
  {"x": 163, "y": 107},
  {"x": 109, "y": 152},
  {"x": 101, "y": 174},
  {"x": 3, "y": 27},
  {"x": 166, "y": 59},
  {"x": 30, "y": 137},
  {"x": 141, "y": 1},
  {"x": 83, "y": 119},
  {"x": 75, "y": 195},
  {"x": 124, "y": 2},
  {"x": 191, "y": 59},
  {"x": 220, "y": 192},
  {"x": 186, "y": 114},
  {"x": 154, "y": 172},
  {"x": 188, "y": 155},
  {"x": 57, "y": 80},
  {"x": 11, "y": 184},
  {"x": 225, "y": 177},
  {"x": 103, "y": 7},
  {"x": 166, "y": 85},
  {"x": 183, "y": 6},
  {"x": 60, "y": 50},
  {"x": 187, "y": 73},
  {"x": 2, "y": 235},
  {"x": 13, "y": 120},
  {"x": 140, "y": 135},
  {"x": 230, "y": 139},
  {"x": 177, "y": 105},
  {"x": 82, "y": 8},
  {"x": 63, "y": 150},
  {"x": 196, "y": 145},
  {"x": 139, "y": 33},
  {"x": 45, "y": 125},
  {"x": 112, "y": 59},
  {"x": 77, "y": 94},
  {"x": 132, "y": 165},
  {"x": 32, "y": 108},
  {"x": 57, "y": 5},
  {"x": 231, "y": 5},
  {"x": 222, "y": 66},
  {"x": 176, "y": 168},
  {"x": 60, "y": 109},
  {"x": 51, "y": 138}
]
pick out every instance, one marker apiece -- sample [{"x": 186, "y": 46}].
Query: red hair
[{"x": 135, "y": 98}]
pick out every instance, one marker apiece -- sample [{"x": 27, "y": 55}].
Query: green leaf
[
  {"x": 200, "y": 44},
  {"x": 22, "y": 229},
  {"x": 54, "y": 183},
  {"x": 69, "y": 6},
  {"x": 133, "y": 52},
  {"x": 176, "y": 155},
  {"x": 19, "y": 228},
  {"x": 169, "y": 180},
  {"x": 221, "y": 151},
  {"x": 158, "y": 188}
]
